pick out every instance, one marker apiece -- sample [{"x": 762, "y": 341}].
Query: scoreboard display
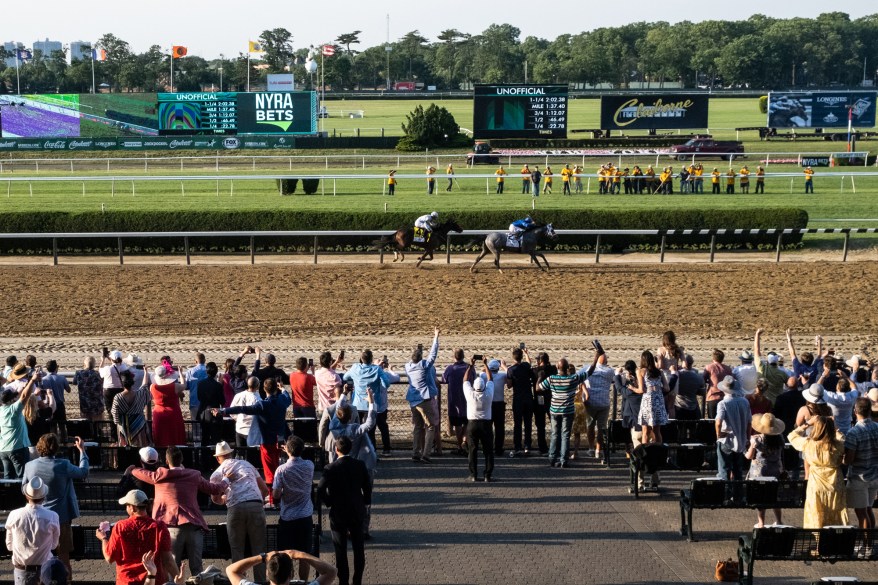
[
  {"x": 199, "y": 113},
  {"x": 520, "y": 111}
]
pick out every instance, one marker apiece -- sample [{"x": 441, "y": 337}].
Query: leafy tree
[
  {"x": 278, "y": 46},
  {"x": 426, "y": 128},
  {"x": 349, "y": 39},
  {"x": 118, "y": 53}
]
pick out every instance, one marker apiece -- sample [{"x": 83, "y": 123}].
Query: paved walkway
[{"x": 538, "y": 525}]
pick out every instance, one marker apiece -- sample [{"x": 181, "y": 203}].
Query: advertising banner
[
  {"x": 281, "y": 82},
  {"x": 277, "y": 113},
  {"x": 821, "y": 109},
  {"x": 653, "y": 112}
]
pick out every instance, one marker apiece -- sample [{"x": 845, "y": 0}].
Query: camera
[{"x": 478, "y": 357}]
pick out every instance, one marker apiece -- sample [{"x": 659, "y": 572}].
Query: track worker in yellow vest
[
  {"x": 525, "y": 179},
  {"x": 431, "y": 180},
  {"x": 809, "y": 180},
  {"x": 449, "y": 170},
  {"x": 565, "y": 178},
  {"x": 730, "y": 182},
  {"x": 391, "y": 182},
  {"x": 745, "y": 179},
  {"x": 500, "y": 174},
  {"x": 714, "y": 180},
  {"x": 760, "y": 180},
  {"x": 547, "y": 180}
]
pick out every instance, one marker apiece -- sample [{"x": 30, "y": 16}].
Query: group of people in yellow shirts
[{"x": 611, "y": 179}]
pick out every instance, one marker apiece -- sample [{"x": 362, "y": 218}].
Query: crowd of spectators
[{"x": 826, "y": 407}]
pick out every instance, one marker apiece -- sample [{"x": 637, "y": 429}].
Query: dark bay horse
[
  {"x": 404, "y": 238},
  {"x": 496, "y": 243}
]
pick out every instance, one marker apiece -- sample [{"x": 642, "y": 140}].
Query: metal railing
[{"x": 316, "y": 235}]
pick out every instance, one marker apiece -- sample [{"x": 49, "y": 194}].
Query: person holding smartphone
[{"x": 302, "y": 384}]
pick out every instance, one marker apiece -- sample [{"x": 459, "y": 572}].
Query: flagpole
[
  {"x": 17, "y": 77},
  {"x": 172, "y": 70},
  {"x": 93, "y": 71},
  {"x": 322, "y": 89},
  {"x": 248, "y": 69}
]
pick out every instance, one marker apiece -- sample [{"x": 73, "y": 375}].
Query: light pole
[{"x": 222, "y": 61}]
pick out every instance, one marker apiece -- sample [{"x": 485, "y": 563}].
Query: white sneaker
[{"x": 597, "y": 454}]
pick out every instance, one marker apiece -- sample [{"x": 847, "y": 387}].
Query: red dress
[{"x": 167, "y": 418}]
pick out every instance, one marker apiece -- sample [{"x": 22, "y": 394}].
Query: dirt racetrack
[{"x": 68, "y": 311}]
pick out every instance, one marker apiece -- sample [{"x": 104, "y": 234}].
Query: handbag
[{"x": 726, "y": 570}]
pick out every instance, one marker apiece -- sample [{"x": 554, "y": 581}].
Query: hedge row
[{"x": 182, "y": 221}]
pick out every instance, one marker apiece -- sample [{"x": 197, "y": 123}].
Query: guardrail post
[
  {"x": 662, "y": 250},
  {"x": 779, "y": 244},
  {"x": 315, "y": 249},
  {"x": 381, "y": 255},
  {"x": 448, "y": 249},
  {"x": 597, "y": 250},
  {"x": 712, "y": 247},
  {"x": 54, "y": 251},
  {"x": 121, "y": 253},
  {"x": 252, "y": 249},
  {"x": 847, "y": 240},
  {"x": 186, "y": 246}
]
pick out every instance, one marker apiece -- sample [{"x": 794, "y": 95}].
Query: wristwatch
[{"x": 264, "y": 556}]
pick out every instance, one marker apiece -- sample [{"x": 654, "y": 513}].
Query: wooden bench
[
  {"x": 713, "y": 494},
  {"x": 827, "y": 545}
]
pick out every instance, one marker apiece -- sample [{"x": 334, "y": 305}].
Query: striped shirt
[
  {"x": 563, "y": 389},
  {"x": 128, "y": 415},
  {"x": 862, "y": 439},
  {"x": 294, "y": 479}
]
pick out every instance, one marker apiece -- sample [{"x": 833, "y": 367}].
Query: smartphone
[
  {"x": 420, "y": 347},
  {"x": 341, "y": 355},
  {"x": 478, "y": 357},
  {"x": 521, "y": 345},
  {"x": 311, "y": 362},
  {"x": 105, "y": 352},
  {"x": 597, "y": 345}
]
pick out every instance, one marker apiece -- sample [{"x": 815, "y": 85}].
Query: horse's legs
[
  {"x": 535, "y": 260},
  {"x": 497, "y": 260},
  {"x": 421, "y": 259},
  {"x": 395, "y": 255},
  {"x": 543, "y": 256},
  {"x": 480, "y": 256}
]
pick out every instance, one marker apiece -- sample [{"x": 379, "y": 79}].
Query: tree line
[{"x": 759, "y": 52}]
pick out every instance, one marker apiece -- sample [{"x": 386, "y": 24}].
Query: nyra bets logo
[{"x": 275, "y": 109}]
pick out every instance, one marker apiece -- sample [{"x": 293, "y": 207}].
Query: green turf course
[{"x": 829, "y": 203}]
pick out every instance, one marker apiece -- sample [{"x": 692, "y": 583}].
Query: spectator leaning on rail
[
  {"x": 328, "y": 390},
  {"x": 479, "y": 396},
  {"x": 32, "y": 532},
  {"x": 58, "y": 476},
  {"x": 246, "y": 428},
  {"x": 381, "y": 406},
  {"x": 271, "y": 416},
  {"x": 270, "y": 371},
  {"x": 422, "y": 400},
  {"x": 58, "y": 386},
  {"x": 194, "y": 375},
  {"x": 244, "y": 499},
  {"x": 176, "y": 504},
  {"x": 453, "y": 377},
  {"x": 111, "y": 369}
]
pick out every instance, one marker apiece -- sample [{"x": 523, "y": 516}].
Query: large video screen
[
  {"x": 821, "y": 109},
  {"x": 650, "y": 112},
  {"x": 112, "y": 115},
  {"x": 520, "y": 111}
]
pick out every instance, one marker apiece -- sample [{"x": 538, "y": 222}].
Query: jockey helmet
[{"x": 435, "y": 215}]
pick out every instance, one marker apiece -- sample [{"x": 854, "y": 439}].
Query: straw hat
[
  {"x": 35, "y": 489},
  {"x": 222, "y": 448},
  {"x": 767, "y": 424},
  {"x": 162, "y": 376},
  {"x": 18, "y": 372},
  {"x": 814, "y": 394}
]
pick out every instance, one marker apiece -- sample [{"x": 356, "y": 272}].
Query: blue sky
[{"x": 211, "y": 27}]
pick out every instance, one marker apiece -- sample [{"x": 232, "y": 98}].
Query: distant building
[
  {"x": 80, "y": 50},
  {"x": 47, "y": 46},
  {"x": 10, "y": 47}
]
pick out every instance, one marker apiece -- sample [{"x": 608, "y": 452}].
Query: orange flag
[{"x": 178, "y": 51}]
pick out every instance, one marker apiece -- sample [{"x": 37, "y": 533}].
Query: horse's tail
[{"x": 382, "y": 243}]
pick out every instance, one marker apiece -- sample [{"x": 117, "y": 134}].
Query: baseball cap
[
  {"x": 479, "y": 384},
  {"x": 115, "y": 355},
  {"x": 134, "y": 498},
  {"x": 494, "y": 365},
  {"x": 773, "y": 358},
  {"x": 148, "y": 455}
]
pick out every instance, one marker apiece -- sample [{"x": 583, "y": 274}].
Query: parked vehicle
[
  {"x": 482, "y": 154},
  {"x": 708, "y": 148}
]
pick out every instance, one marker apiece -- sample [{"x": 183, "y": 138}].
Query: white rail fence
[
  {"x": 316, "y": 235},
  {"x": 489, "y": 178}
]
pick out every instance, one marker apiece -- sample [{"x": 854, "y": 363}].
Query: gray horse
[{"x": 496, "y": 243}]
